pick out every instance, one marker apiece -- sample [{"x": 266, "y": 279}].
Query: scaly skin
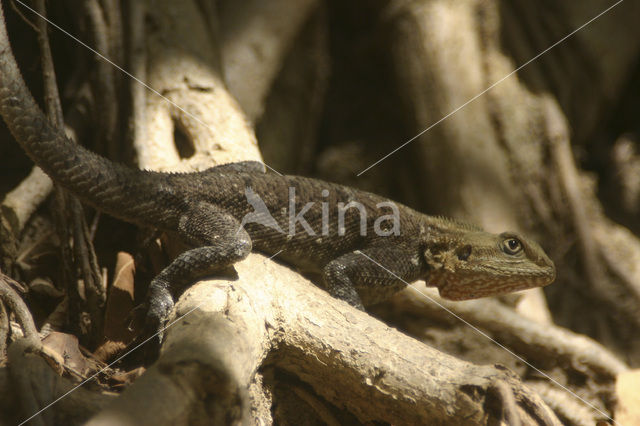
[{"x": 206, "y": 208}]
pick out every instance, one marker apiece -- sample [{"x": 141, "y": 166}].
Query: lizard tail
[{"x": 120, "y": 191}]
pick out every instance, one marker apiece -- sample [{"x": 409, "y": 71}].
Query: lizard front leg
[
  {"x": 371, "y": 275},
  {"x": 220, "y": 242}
]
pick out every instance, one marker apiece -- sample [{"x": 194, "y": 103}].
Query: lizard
[{"x": 364, "y": 253}]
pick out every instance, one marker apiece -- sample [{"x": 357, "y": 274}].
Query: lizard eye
[{"x": 512, "y": 246}]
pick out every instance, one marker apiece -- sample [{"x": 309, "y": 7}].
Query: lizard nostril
[{"x": 464, "y": 252}]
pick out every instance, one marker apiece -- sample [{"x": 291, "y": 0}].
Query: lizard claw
[
  {"x": 154, "y": 313},
  {"x": 135, "y": 316},
  {"x": 150, "y": 337}
]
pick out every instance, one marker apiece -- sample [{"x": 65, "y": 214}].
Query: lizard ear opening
[{"x": 464, "y": 252}]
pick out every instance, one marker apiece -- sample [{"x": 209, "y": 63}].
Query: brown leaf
[{"x": 120, "y": 303}]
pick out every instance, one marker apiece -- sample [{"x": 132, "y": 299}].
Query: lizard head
[{"x": 479, "y": 264}]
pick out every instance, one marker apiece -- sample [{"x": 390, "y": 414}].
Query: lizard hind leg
[{"x": 219, "y": 242}]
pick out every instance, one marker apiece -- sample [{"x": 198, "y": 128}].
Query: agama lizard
[{"x": 302, "y": 221}]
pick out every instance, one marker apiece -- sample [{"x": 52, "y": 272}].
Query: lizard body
[{"x": 206, "y": 210}]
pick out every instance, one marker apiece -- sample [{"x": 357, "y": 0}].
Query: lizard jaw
[
  {"x": 438, "y": 281},
  {"x": 449, "y": 292}
]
